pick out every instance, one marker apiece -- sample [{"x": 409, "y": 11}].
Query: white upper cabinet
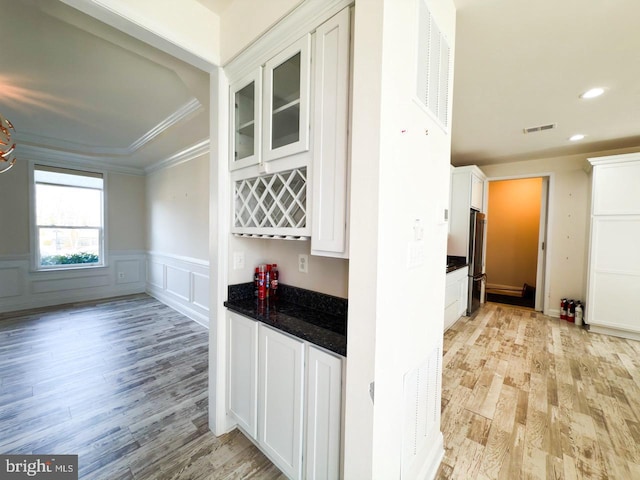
[
  {"x": 289, "y": 150},
  {"x": 286, "y": 102},
  {"x": 477, "y": 192},
  {"x": 246, "y": 119},
  {"x": 330, "y": 125},
  {"x": 467, "y": 192},
  {"x": 269, "y": 109}
]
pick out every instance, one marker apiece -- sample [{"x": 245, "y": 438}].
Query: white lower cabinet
[
  {"x": 324, "y": 400},
  {"x": 280, "y": 399},
  {"x": 456, "y": 293},
  {"x": 242, "y": 391},
  {"x": 270, "y": 374}
]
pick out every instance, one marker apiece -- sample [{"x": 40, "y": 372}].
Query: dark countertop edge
[
  {"x": 453, "y": 268},
  {"x": 299, "y": 328}
]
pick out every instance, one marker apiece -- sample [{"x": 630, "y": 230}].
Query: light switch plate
[{"x": 238, "y": 260}]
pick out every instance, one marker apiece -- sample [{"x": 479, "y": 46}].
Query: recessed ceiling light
[
  {"x": 576, "y": 137},
  {"x": 593, "y": 93}
]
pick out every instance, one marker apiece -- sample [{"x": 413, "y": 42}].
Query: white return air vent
[
  {"x": 434, "y": 66},
  {"x": 539, "y": 128}
]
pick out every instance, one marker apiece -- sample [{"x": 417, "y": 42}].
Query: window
[{"x": 69, "y": 218}]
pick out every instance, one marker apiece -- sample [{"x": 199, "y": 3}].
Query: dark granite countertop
[
  {"x": 318, "y": 318},
  {"x": 455, "y": 263}
]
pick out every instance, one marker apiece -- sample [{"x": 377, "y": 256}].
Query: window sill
[{"x": 70, "y": 269}]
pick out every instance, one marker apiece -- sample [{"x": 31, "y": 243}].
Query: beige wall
[
  {"x": 14, "y": 210},
  {"x": 326, "y": 275},
  {"x": 238, "y": 29},
  {"x": 568, "y": 222},
  {"x": 126, "y": 212},
  {"x": 512, "y": 232},
  {"x": 177, "y": 200}
]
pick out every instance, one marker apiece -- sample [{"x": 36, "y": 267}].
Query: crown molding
[
  {"x": 33, "y": 140},
  {"x": 190, "y": 153},
  {"x": 44, "y": 154}
]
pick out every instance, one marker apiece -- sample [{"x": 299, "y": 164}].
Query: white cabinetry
[
  {"x": 324, "y": 401},
  {"x": 330, "y": 152},
  {"x": 467, "y": 192},
  {"x": 614, "y": 257},
  {"x": 286, "y": 395},
  {"x": 281, "y": 367},
  {"x": 245, "y": 110},
  {"x": 289, "y": 152},
  {"x": 286, "y": 101},
  {"x": 456, "y": 293},
  {"x": 242, "y": 391},
  {"x": 269, "y": 109}
]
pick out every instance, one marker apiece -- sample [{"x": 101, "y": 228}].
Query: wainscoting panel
[
  {"x": 200, "y": 289},
  {"x": 180, "y": 282},
  {"x": 129, "y": 271},
  {"x": 155, "y": 274},
  {"x": 74, "y": 283},
  {"x": 11, "y": 281},
  {"x": 21, "y": 288}
]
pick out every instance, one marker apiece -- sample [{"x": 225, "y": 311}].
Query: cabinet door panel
[
  {"x": 245, "y": 110},
  {"x": 330, "y": 151},
  {"x": 324, "y": 400},
  {"x": 286, "y": 101},
  {"x": 243, "y": 371},
  {"x": 280, "y": 399},
  {"x": 477, "y": 193}
]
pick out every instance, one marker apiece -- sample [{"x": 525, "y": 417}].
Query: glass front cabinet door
[
  {"x": 245, "y": 111},
  {"x": 286, "y": 102}
]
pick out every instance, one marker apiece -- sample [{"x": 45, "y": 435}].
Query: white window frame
[{"x": 35, "y": 248}]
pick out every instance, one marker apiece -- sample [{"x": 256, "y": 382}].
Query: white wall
[
  {"x": 177, "y": 222},
  {"x": 399, "y": 174},
  {"x": 21, "y": 288},
  {"x": 188, "y": 30},
  {"x": 568, "y": 223}
]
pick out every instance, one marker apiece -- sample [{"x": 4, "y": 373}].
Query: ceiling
[
  {"x": 79, "y": 90},
  {"x": 521, "y": 64}
]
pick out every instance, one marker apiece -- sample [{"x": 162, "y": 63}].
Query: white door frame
[{"x": 543, "y": 268}]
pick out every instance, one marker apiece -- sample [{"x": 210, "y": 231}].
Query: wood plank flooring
[
  {"x": 121, "y": 383},
  {"x": 533, "y": 397}
]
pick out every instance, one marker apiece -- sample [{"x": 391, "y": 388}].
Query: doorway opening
[{"x": 515, "y": 242}]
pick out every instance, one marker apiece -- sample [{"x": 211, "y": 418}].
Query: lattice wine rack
[{"x": 272, "y": 205}]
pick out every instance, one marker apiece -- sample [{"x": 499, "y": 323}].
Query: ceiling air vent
[{"x": 539, "y": 128}]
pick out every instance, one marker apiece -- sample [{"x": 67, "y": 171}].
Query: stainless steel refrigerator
[{"x": 476, "y": 249}]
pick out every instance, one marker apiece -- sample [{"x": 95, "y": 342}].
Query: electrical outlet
[
  {"x": 238, "y": 260},
  {"x": 303, "y": 263},
  {"x": 120, "y": 275}
]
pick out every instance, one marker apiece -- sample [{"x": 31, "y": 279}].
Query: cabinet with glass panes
[{"x": 270, "y": 109}]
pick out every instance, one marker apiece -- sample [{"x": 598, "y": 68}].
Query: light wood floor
[
  {"x": 122, "y": 384},
  {"x": 526, "y": 396}
]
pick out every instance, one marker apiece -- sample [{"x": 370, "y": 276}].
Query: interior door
[{"x": 542, "y": 248}]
